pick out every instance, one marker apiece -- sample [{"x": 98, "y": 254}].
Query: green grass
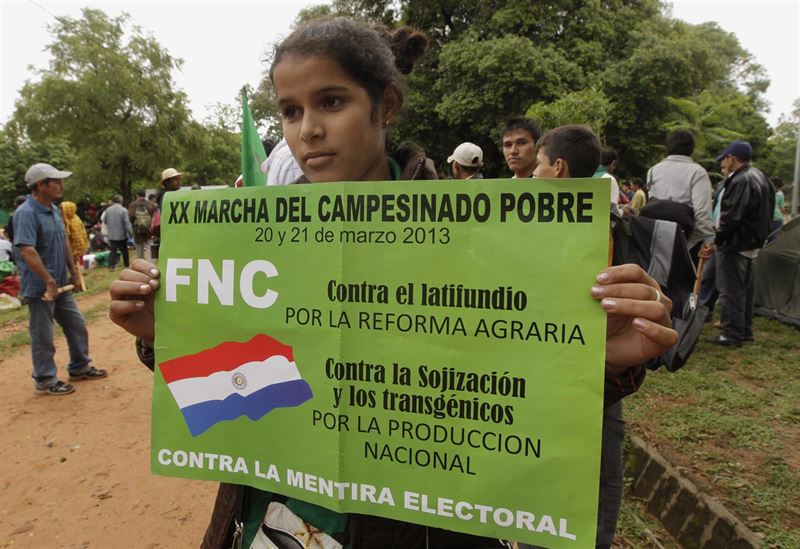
[
  {"x": 14, "y": 323},
  {"x": 732, "y": 417},
  {"x": 636, "y": 529},
  {"x": 18, "y": 338}
]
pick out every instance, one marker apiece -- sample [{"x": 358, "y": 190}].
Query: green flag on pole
[{"x": 253, "y": 153}]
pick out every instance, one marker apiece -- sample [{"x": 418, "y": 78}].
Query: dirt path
[{"x": 75, "y": 470}]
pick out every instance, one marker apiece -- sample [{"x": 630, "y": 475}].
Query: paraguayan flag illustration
[{"x": 235, "y": 379}]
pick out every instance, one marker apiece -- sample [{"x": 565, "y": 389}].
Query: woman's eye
[
  {"x": 332, "y": 102},
  {"x": 289, "y": 112}
]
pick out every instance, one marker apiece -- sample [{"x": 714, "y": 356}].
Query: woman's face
[{"x": 328, "y": 121}]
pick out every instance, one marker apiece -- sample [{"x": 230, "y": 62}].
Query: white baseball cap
[
  {"x": 41, "y": 171},
  {"x": 467, "y": 154}
]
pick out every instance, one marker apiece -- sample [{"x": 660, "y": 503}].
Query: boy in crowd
[
  {"x": 519, "y": 139},
  {"x": 574, "y": 151}
]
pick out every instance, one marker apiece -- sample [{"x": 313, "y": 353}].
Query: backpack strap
[{"x": 661, "y": 247}]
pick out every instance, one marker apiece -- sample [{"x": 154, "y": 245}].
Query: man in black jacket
[{"x": 745, "y": 204}]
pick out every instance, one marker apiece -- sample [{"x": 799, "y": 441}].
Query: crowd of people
[
  {"x": 342, "y": 135},
  {"x": 679, "y": 189},
  {"x": 46, "y": 245}
]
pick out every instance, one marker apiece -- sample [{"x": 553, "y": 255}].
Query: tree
[
  {"x": 590, "y": 107},
  {"x": 780, "y": 156},
  {"x": 212, "y": 153},
  {"x": 671, "y": 59},
  {"x": 710, "y": 119},
  {"x": 108, "y": 92},
  {"x": 17, "y": 154},
  {"x": 264, "y": 106},
  {"x": 611, "y": 64}
]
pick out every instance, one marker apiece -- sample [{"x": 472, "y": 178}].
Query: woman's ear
[{"x": 392, "y": 101}]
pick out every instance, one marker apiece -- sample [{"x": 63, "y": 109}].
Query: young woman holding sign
[{"x": 338, "y": 84}]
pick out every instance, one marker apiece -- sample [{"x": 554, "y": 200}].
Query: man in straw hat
[{"x": 170, "y": 181}]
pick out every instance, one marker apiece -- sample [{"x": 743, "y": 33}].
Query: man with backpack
[
  {"x": 679, "y": 179},
  {"x": 141, "y": 215}
]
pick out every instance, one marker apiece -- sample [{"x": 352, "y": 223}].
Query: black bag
[
  {"x": 659, "y": 248},
  {"x": 688, "y": 324},
  {"x": 669, "y": 210}
]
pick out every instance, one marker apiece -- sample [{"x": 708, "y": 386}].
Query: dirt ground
[{"x": 75, "y": 469}]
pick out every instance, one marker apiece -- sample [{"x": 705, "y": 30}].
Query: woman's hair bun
[{"x": 407, "y": 45}]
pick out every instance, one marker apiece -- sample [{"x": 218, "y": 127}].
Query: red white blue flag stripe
[{"x": 235, "y": 379}]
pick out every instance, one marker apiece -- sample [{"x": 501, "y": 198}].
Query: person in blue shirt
[{"x": 46, "y": 266}]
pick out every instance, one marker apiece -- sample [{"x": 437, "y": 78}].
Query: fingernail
[
  {"x": 597, "y": 291},
  {"x": 154, "y": 272},
  {"x": 609, "y": 303},
  {"x": 603, "y": 277},
  {"x": 140, "y": 304},
  {"x": 144, "y": 287},
  {"x": 639, "y": 324}
]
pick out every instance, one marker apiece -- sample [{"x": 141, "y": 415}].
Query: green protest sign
[{"x": 424, "y": 351}]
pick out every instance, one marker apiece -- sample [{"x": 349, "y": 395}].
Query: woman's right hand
[{"x": 132, "y": 299}]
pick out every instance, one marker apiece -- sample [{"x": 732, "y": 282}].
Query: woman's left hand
[{"x": 639, "y": 326}]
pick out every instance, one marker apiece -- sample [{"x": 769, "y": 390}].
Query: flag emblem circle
[{"x": 239, "y": 381}]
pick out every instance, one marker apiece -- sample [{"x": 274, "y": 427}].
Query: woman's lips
[{"x": 318, "y": 160}]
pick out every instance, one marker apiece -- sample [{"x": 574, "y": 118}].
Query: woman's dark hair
[
  {"x": 373, "y": 56},
  {"x": 637, "y": 182}
]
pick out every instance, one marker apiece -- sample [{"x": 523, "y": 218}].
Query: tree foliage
[
  {"x": 623, "y": 67},
  {"x": 107, "y": 108},
  {"x": 589, "y": 107},
  {"x": 212, "y": 154},
  {"x": 109, "y": 92},
  {"x": 781, "y": 153},
  {"x": 17, "y": 154},
  {"x": 710, "y": 118}
]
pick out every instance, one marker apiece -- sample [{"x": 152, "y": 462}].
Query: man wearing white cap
[
  {"x": 466, "y": 161},
  {"x": 46, "y": 267}
]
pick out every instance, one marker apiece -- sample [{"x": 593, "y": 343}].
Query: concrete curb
[{"x": 694, "y": 518}]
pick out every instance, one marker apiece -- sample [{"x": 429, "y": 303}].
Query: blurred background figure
[
  {"x": 608, "y": 165},
  {"x": 76, "y": 235},
  {"x": 780, "y": 209},
  {"x": 639, "y": 199},
  {"x": 140, "y": 212},
  {"x": 119, "y": 229},
  {"x": 466, "y": 161}
]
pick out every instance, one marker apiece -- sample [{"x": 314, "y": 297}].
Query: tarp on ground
[{"x": 777, "y": 276}]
